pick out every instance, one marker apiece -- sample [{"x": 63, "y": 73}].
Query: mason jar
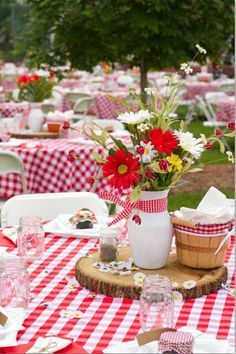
[
  {"x": 156, "y": 305},
  {"x": 108, "y": 245},
  {"x": 14, "y": 282},
  {"x": 30, "y": 237}
]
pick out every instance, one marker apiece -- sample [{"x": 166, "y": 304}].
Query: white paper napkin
[
  {"x": 10, "y": 233},
  {"x": 213, "y": 208},
  {"x": 14, "y": 322},
  {"x": 49, "y": 345}
]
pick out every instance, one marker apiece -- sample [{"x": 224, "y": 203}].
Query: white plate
[
  {"x": 61, "y": 226},
  {"x": 204, "y": 343}
]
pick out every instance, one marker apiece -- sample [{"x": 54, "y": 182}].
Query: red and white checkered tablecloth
[
  {"x": 47, "y": 169},
  {"x": 105, "y": 320},
  {"x": 225, "y": 111},
  {"x": 9, "y": 109},
  {"x": 200, "y": 89},
  {"x": 103, "y": 106}
]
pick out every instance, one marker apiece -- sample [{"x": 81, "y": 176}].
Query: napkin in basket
[{"x": 214, "y": 208}]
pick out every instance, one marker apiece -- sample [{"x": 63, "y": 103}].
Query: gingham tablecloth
[
  {"x": 105, "y": 320},
  {"x": 200, "y": 89},
  {"x": 103, "y": 106},
  {"x": 225, "y": 111},
  {"x": 47, "y": 169},
  {"x": 9, "y": 109}
]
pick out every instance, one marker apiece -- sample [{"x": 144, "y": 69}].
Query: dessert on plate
[{"x": 83, "y": 219}]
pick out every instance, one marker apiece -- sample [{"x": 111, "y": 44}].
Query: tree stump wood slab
[
  {"x": 207, "y": 281},
  {"x": 33, "y": 135}
]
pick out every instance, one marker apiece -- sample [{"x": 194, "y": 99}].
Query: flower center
[
  {"x": 146, "y": 151},
  {"x": 122, "y": 169}
]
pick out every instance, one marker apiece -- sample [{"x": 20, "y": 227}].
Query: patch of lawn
[{"x": 190, "y": 199}]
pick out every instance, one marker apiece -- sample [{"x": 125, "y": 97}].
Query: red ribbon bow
[{"x": 147, "y": 206}]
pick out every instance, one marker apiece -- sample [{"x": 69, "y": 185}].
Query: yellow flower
[{"x": 175, "y": 162}]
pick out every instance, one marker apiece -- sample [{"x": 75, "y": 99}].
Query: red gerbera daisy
[
  {"x": 121, "y": 169},
  {"x": 163, "y": 142}
]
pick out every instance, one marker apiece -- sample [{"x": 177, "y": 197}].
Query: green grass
[{"x": 191, "y": 199}]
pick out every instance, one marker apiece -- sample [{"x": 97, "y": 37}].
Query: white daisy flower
[
  {"x": 77, "y": 314},
  {"x": 151, "y": 90},
  {"x": 144, "y": 127},
  {"x": 72, "y": 283},
  {"x": 186, "y": 68},
  {"x": 139, "y": 275},
  {"x": 148, "y": 152},
  {"x": 189, "y": 284},
  {"x": 175, "y": 284},
  {"x": 190, "y": 144},
  {"x": 177, "y": 297},
  {"x": 134, "y": 117},
  {"x": 200, "y": 49},
  {"x": 230, "y": 156},
  {"x": 139, "y": 282}
]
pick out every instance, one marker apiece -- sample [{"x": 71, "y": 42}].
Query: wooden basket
[{"x": 197, "y": 245}]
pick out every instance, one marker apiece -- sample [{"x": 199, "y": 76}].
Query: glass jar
[
  {"x": 108, "y": 243},
  {"x": 30, "y": 237},
  {"x": 156, "y": 305},
  {"x": 14, "y": 282}
]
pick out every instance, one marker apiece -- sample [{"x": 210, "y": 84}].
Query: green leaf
[
  {"x": 118, "y": 143},
  {"x": 98, "y": 157},
  {"x": 135, "y": 194},
  {"x": 120, "y": 101}
]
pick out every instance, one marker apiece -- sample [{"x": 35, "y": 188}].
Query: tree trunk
[{"x": 143, "y": 80}]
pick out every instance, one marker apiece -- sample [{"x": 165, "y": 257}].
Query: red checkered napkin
[{"x": 179, "y": 341}]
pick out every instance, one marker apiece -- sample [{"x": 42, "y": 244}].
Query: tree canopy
[{"x": 152, "y": 34}]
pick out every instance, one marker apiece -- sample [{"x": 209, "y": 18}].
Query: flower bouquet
[
  {"x": 158, "y": 159},
  {"x": 35, "y": 87}
]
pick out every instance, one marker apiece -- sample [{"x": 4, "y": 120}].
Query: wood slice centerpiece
[
  {"x": 34, "y": 135},
  {"x": 207, "y": 281}
]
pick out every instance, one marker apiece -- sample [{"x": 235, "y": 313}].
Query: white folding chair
[
  {"x": 10, "y": 162},
  {"x": 213, "y": 97},
  {"x": 208, "y": 113},
  {"x": 75, "y": 96},
  {"x": 227, "y": 88},
  {"x": 50, "y": 205}
]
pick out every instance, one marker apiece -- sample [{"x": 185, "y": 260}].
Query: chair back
[
  {"x": 213, "y": 97},
  {"x": 50, "y": 205},
  {"x": 75, "y": 96},
  {"x": 82, "y": 105},
  {"x": 227, "y": 88},
  {"x": 10, "y": 162}
]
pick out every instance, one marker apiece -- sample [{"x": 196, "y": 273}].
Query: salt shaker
[
  {"x": 156, "y": 305},
  {"x": 108, "y": 243}
]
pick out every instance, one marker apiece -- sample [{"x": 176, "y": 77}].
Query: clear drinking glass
[
  {"x": 14, "y": 282},
  {"x": 30, "y": 236},
  {"x": 156, "y": 305}
]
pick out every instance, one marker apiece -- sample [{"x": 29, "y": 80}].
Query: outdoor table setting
[
  {"x": 59, "y": 307},
  {"x": 47, "y": 168}
]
